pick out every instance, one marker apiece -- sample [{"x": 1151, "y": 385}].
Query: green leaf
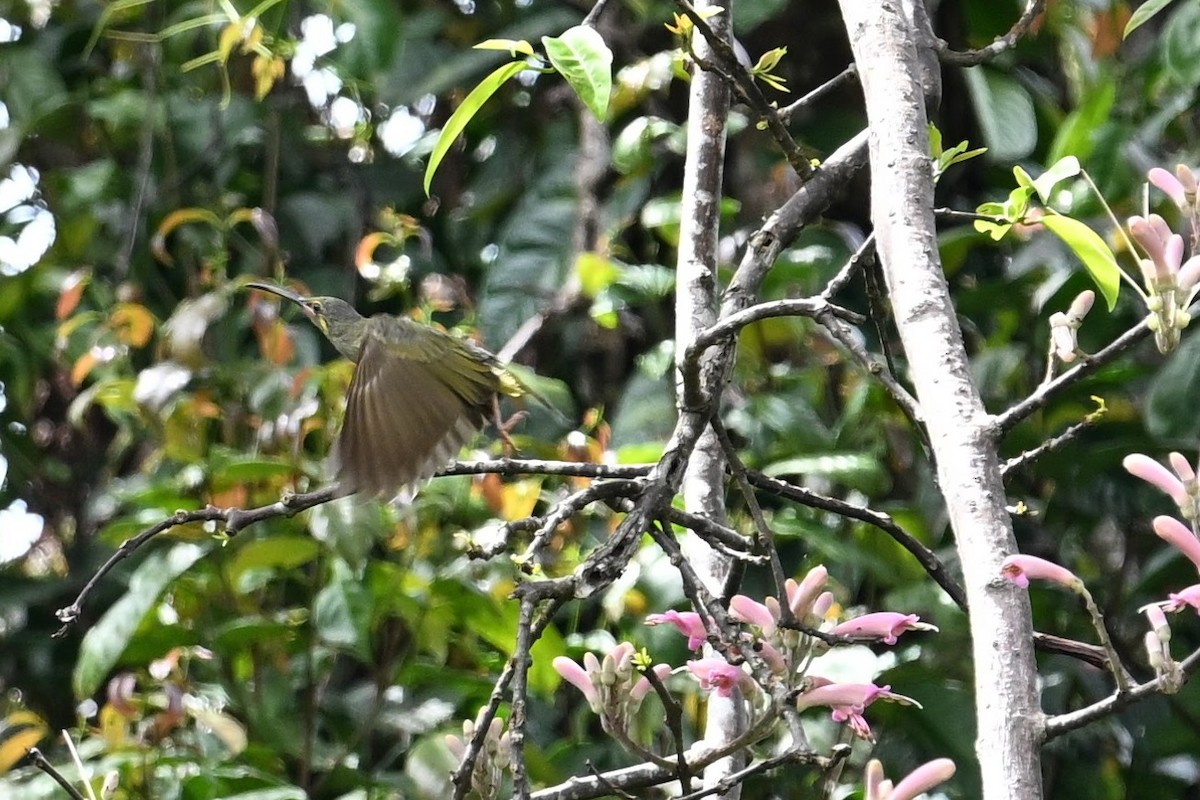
[
  {"x": 276, "y": 552},
  {"x": 342, "y": 615},
  {"x": 935, "y": 140},
  {"x": 1092, "y": 250},
  {"x": 103, "y": 645},
  {"x": 581, "y": 56},
  {"x": 1143, "y": 14},
  {"x": 1005, "y": 112},
  {"x": 595, "y": 272},
  {"x": 1067, "y": 167},
  {"x": 513, "y": 46},
  {"x": 464, "y": 113}
]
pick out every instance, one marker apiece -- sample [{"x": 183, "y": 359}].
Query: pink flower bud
[
  {"x": 745, "y": 609},
  {"x": 923, "y": 778},
  {"x": 643, "y": 686},
  {"x": 1082, "y": 304},
  {"x": 1020, "y": 568},
  {"x": 1149, "y": 470},
  {"x": 578, "y": 676},
  {"x": 1170, "y": 186},
  {"x": 1180, "y": 536},
  {"x": 1187, "y": 178},
  {"x": 1182, "y": 468},
  {"x": 801, "y": 596}
]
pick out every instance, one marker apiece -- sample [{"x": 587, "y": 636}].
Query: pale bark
[
  {"x": 962, "y": 435},
  {"x": 696, "y": 309}
]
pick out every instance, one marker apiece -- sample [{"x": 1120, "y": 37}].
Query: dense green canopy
[{"x": 155, "y": 156}]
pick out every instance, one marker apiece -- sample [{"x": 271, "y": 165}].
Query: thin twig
[
  {"x": 39, "y": 761},
  {"x": 786, "y": 113},
  {"x": 900, "y": 396},
  {"x": 1004, "y": 422},
  {"x": 743, "y": 83},
  {"x": 765, "y": 534},
  {"x": 792, "y": 756},
  {"x": 727, "y": 540},
  {"x": 1063, "y": 723},
  {"x": 570, "y": 506},
  {"x": 236, "y": 519},
  {"x": 1049, "y": 446},
  {"x": 792, "y": 307},
  {"x": 674, "y": 718},
  {"x": 970, "y": 58},
  {"x": 461, "y": 778},
  {"x": 522, "y": 659},
  {"x": 864, "y": 255},
  {"x": 932, "y": 564}
]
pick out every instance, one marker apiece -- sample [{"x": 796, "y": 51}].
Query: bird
[{"x": 418, "y": 394}]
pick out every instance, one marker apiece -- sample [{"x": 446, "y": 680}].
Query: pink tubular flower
[
  {"x": 719, "y": 675},
  {"x": 689, "y": 623},
  {"x": 643, "y": 686},
  {"x": 579, "y": 677},
  {"x": 822, "y": 604},
  {"x": 1180, "y": 536},
  {"x": 1182, "y": 468},
  {"x": 1177, "y": 601},
  {"x": 1156, "y": 238},
  {"x": 885, "y": 625},
  {"x": 802, "y": 595},
  {"x": 1149, "y": 470},
  {"x": 1020, "y": 568},
  {"x": 923, "y": 778},
  {"x": 842, "y": 696},
  {"x": 847, "y": 701},
  {"x": 748, "y": 610},
  {"x": 1170, "y": 186}
]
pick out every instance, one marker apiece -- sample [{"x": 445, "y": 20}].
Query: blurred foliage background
[{"x": 156, "y": 154}]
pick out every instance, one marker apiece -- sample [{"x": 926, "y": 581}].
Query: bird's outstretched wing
[{"x": 417, "y": 396}]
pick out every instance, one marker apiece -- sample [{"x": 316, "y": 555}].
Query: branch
[
  {"x": 847, "y": 75},
  {"x": 885, "y": 38},
  {"x": 970, "y": 58},
  {"x": 743, "y": 82},
  {"x": 1048, "y": 446},
  {"x": 39, "y": 761},
  {"x": 1006, "y": 421},
  {"x": 1063, "y": 723},
  {"x": 932, "y": 564},
  {"x": 864, "y": 255},
  {"x": 237, "y": 519},
  {"x": 461, "y": 778}
]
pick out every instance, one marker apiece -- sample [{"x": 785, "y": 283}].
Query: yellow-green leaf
[
  {"x": 581, "y": 56},
  {"x": 463, "y": 114},
  {"x": 513, "y": 46},
  {"x": 1092, "y": 250}
]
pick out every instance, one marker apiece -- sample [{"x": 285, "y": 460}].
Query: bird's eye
[{"x": 315, "y": 305}]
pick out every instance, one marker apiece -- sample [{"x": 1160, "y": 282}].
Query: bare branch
[
  {"x": 970, "y": 58},
  {"x": 743, "y": 83},
  {"x": 1004, "y": 422}
]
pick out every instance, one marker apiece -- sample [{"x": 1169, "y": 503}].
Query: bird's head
[{"x": 333, "y": 317}]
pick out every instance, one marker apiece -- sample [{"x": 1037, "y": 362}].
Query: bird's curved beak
[{"x": 285, "y": 293}]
